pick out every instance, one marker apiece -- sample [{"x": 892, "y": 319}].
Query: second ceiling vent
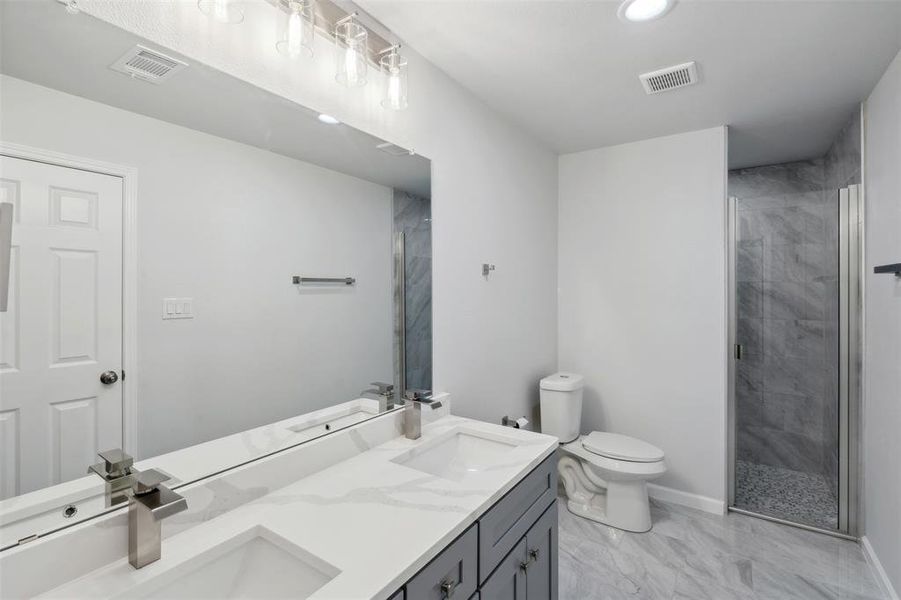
[{"x": 670, "y": 78}]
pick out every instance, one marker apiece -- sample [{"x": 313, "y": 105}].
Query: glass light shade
[
  {"x": 223, "y": 11},
  {"x": 394, "y": 66},
  {"x": 350, "y": 53},
  {"x": 636, "y": 11},
  {"x": 297, "y": 30}
]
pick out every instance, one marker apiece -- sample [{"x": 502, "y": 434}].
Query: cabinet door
[
  {"x": 508, "y": 582},
  {"x": 501, "y": 528},
  {"x": 452, "y": 574},
  {"x": 541, "y": 557}
]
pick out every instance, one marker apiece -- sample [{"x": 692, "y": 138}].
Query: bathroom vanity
[
  {"x": 468, "y": 510},
  {"x": 510, "y": 553}
]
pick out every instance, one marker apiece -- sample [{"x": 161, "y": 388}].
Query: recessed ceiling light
[
  {"x": 636, "y": 11},
  {"x": 328, "y": 119}
]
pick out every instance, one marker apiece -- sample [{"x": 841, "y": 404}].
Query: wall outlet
[{"x": 178, "y": 308}]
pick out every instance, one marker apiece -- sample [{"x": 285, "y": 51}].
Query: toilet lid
[{"x": 621, "y": 447}]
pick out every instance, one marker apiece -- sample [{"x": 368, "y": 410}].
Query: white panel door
[{"x": 63, "y": 326}]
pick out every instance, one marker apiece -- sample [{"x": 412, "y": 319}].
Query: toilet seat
[{"x": 621, "y": 447}]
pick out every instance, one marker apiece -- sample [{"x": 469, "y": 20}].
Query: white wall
[
  {"x": 228, "y": 225},
  {"x": 642, "y": 297},
  {"x": 882, "y": 354},
  {"x": 494, "y": 196}
]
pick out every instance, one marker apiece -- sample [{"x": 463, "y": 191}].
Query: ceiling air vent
[
  {"x": 670, "y": 78},
  {"x": 394, "y": 149},
  {"x": 149, "y": 65}
]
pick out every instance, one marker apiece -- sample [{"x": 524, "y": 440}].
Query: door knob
[{"x": 109, "y": 377}]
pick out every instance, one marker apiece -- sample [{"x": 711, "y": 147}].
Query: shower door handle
[{"x": 738, "y": 351}]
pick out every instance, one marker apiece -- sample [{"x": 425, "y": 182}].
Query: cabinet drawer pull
[
  {"x": 533, "y": 556},
  {"x": 447, "y": 588}
]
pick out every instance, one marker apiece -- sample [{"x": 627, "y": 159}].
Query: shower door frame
[{"x": 850, "y": 258}]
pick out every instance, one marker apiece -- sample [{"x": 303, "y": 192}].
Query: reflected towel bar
[
  {"x": 895, "y": 268},
  {"x": 297, "y": 279}
]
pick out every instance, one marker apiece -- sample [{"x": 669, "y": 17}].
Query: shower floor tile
[{"x": 792, "y": 495}]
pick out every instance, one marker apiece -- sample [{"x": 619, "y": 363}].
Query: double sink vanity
[{"x": 466, "y": 511}]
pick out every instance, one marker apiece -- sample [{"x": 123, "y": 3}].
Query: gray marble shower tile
[
  {"x": 749, "y": 260},
  {"x": 800, "y": 414},
  {"x": 820, "y": 262},
  {"x": 783, "y": 225},
  {"x": 760, "y": 202},
  {"x": 749, "y": 299},
  {"x": 748, "y": 376},
  {"x": 798, "y": 376},
  {"x": 794, "y": 300},
  {"x": 748, "y": 408},
  {"x": 794, "y": 338},
  {"x": 750, "y": 225},
  {"x": 783, "y": 262},
  {"x": 749, "y": 333}
]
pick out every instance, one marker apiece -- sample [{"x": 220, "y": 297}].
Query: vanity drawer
[
  {"x": 508, "y": 520},
  {"x": 452, "y": 574}
]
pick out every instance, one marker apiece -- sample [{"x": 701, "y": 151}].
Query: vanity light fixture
[
  {"x": 350, "y": 51},
  {"x": 298, "y": 28},
  {"x": 223, "y": 11},
  {"x": 394, "y": 66},
  {"x": 637, "y": 11},
  {"x": 328, "y": 119}
]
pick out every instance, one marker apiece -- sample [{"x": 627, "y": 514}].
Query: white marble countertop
[
  {"x": 376, "y": 522},
  {"x": 41, "y": 510}
]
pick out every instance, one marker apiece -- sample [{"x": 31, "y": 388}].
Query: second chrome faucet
[
  {"x": 149, "y": 503},
  {"x": 415, "y": 401}
]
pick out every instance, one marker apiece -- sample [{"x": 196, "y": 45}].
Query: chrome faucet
[
  {"x": 152, "y": 502},
  {"x": 415, "y": 401},
  {"x": 384, "y": 393},
  {"x": 117, "y": 471}
]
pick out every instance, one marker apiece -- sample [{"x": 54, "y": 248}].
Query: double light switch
[{"x": 178, "y": 308}]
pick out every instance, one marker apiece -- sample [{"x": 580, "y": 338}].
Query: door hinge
[
  {"x": 123, "y": 374},
  {"x": 738, "y": 351}
]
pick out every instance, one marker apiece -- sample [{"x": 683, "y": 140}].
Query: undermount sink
[
  {"x": 334, "y": 421},
  {"x": 457, "y": 455},
  {"x": 256, "y": 564}
]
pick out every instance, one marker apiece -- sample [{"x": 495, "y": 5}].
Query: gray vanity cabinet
[
  {"x": 452, "y": 574},
  {"x": 509, "y": 554},
  {"x": 508, "y": 582},
  {"x": 541, "y": 557}
]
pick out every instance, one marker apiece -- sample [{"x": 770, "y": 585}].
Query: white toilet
[{"x": 604, "y": 473}]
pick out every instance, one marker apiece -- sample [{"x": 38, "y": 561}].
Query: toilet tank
[{"x": 561, "y": 405}]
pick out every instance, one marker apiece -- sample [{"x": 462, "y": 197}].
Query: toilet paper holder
[{"x": 519, "y": 423}]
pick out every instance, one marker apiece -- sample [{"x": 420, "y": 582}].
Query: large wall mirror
[{"x": 200, "y": 272}]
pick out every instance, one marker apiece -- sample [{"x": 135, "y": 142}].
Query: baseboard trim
[
  {"x": 704, "y": 503},
  {"x": 881, "y": 576}
]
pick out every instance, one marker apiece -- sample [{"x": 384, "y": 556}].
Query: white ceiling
[
  {"x": 41, "y": 43},
  {"x": 784, "y": 75}
]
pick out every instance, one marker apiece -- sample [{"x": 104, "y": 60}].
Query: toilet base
[
  {"x": 620, "y": 504},
  {"x": 636, "y": 517}
]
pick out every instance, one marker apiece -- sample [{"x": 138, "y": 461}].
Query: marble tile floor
[
  {"x": 786, "y": 494},
  {"x": 693, "y": 555}
]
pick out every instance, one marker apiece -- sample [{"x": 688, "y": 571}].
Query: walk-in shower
[{"x": 794, "y": 254}]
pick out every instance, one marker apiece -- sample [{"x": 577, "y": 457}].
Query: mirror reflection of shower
[{"x": 413, "y": 218}]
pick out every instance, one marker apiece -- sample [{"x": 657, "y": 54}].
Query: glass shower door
[{"x": 790, "y": 259}]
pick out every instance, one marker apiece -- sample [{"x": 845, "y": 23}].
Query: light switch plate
[{"x": 178, "y": 308}]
